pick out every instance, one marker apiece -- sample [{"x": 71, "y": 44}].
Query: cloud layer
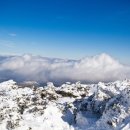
[{"x": 90, "y": 69}]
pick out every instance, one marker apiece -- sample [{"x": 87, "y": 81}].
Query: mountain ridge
[{"x": 102, "y": 106}]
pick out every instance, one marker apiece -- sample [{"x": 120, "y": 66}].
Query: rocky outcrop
[{"x": 102, "y": 106}]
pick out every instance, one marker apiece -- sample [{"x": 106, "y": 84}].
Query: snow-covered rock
[{"x": 102, "y": 106}]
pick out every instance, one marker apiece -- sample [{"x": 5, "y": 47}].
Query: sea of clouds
[{"x": 90, "y": 69}]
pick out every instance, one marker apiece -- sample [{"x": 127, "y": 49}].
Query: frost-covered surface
[{"x": 102, "y": 106}]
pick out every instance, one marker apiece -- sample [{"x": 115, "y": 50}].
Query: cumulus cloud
[{"x": 90, "y": 69}]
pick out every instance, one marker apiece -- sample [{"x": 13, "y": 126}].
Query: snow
[{"x": 102, "y": 106}]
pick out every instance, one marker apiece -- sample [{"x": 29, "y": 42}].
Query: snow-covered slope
[{"x": 102, "y": 106}]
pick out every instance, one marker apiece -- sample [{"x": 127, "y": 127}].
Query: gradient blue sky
[{"x": 65, "y": 28}]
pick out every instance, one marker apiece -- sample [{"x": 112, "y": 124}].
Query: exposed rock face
[{"x": 69, "y": 107}]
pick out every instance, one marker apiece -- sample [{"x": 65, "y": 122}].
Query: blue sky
[{"x": 65, "y": 28}]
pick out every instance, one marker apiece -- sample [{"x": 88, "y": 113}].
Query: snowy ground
[{"x": 68, "y": 107}]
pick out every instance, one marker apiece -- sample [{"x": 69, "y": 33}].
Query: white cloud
[
  {"x": 12, "y": 34},
  {"x": 7, "y": 43},
  {"x": 90, "y": 69}
]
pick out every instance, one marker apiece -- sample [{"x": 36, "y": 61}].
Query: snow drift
[
  {"x": 90, "y": 69},
  {"x": 102, "y": 106}
]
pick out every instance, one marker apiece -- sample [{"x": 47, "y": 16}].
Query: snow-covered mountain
[{"x": 102, "y": 106}]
